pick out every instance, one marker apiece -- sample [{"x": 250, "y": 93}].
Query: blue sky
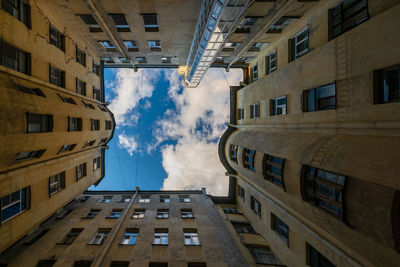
[{"x": 167, "y": 134}]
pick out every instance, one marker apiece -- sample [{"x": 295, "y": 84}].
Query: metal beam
[
  {"x": 108, "y": 26},
  {"x": 261, "y": 27}
]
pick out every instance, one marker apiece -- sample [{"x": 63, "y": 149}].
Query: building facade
[
  {"x": 313, "y": 140},
  {"x": 135, "y": 228},
  {"x": 55, "y": 123}
]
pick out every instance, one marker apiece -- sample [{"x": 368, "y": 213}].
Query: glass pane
[
  {"x": 10, "y": 211},
  {"x": 391, "y": 85},
  {"x": 310, "y": 100}
]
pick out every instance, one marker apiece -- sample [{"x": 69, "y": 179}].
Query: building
[
  {"x": 133, "y": 34},
  {"x": 135, "y": 228},
  {"x": 55, "y": 123},
  {"x": 313, "y": 140}
]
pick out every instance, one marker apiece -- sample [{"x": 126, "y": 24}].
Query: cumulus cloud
[
  {"x": 196, "y": 125},
  {"x": 129, "y": 88},
  {"x": 127, "y": 142}
]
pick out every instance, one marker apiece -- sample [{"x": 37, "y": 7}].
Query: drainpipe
[
  {"x": 105, "y": 21},
  {"x": 99, "y": 261}
]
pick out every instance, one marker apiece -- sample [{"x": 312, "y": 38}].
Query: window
[
  {"x": 89, "y": 20},
  {"x": 82, "y": 263},
  {"x": 323, "y": 189},
  {"x": 144, "y": 198},
  {"x": 38, "y": 123},
  {"x": 320, "y": 98},
  {"x": 191, "y": 237},
  {"x": 36, "y": 237},
  {"x": 92, "y": 213},
  {"x": 96, "y": 163},
  {"x": 80, "y": 171},
  {"x": 184, "y": 198},
  {"x": 68, "y": 100},
  {"x": 246, "y": 24},
  {"x": 100, "y": 236},
  {"x": 271, "y": 63},
  {"x": 89, "y": 143},
  {"x": 160, "y": 237},
  {"x": 13, "y": 58},
  {"x": 130, "y": 236},
  {"x": 14, "y": 203},
  {"x": 94, "y": 125},
  {"x": 187, "y": 214},
  {"x": 298, "y": 45},
  {"x": 119, "y": 263},
  {"x": 115, "y": 214},
  {"x": 158, "y": 264},
  {"x": 125, "y": 199},
  {"x": 233, "y": 153},
  {"x": 80, "y": 87},
  {"x": 57, "y": 38},
  {"x": 280, "y": 24},
  {"x": 108, "y": 60},
  {"x": 316, "y": 259},
  {"x": 347, "y": 15},
  {"x": 241, "y": 192},
  {"x": 106, "y": 199},
  {"x": 131, "y": 45},
  {"x": 281, "y": 228},
  {"x": 254, "y": 73},
  {"x": 103, "y": 141},
  {"x": 230, "y": 46},
  {"x": 64, "y": 213},
  {"x": 83, "y": 199},
  {"x": 19, "y": 10},
  {"x": 155, "y": 45},
  {"x": 46, "y": 263},
  {"x": 229, "y": 210},
  {"x": 80, "y": 56},
  {"x": 264, "y": 255},
  {"x": 71, "y": 236},
  {"x": 66, "y": 148},
  {"x": 95, "y": 68},
  {"x": 27, "y": 155},
  {"x": 108, "y": 125},
  {"x": 196, "y": 264},
  {"x": 141, "y": 59},
  {"x": 243, "y": 228},
  {"x": 240, "y": 112},
  {"x": 257, "y": 46},
  {"x": 120, "y": 22},
  {"x": 74, "y": 124},
  {"x": 255, "y": 205},
  {"x": 107, "y": 45},
  {"x": 162, "y": 214},
  {"x": 273, "y": 169},
  {"x": 278, "y": 106},
  {"x": 387, "y": 85},
  {"x": 165, "y": 59},
  {"x": 32, "y": 91},
  {"x": 164, "y": 199},
  {"x": 88, "y": 105},
  {"x": 248, "y": 159},
  {"x": 96, "y": 93},
  {"x": 124, "y": 60},
  {"x": 56, "y": 183},
  {"x": 138, "y": 214},
  {"x": 255, "y": 110},
  {"x": 56, "y": 76},
  {"x": 150, "y": 22},
  {"x": 102, "y": 108}
]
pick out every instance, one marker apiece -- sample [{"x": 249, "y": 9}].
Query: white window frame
[
  {"x": 13, "y": 203},
  {"x": 191, "y": 238},
  {"x": 129, "y": 235},
  {"x": 297, "y": 42},
  {"x": 184, "y": 198},
  {"x": 138, "y": 214},
  {"x": 162, "y": 214},
  {"x": 100, "y": 237},
  {"x": 270, "y": 60},
  {"x": 160, "y": 238},
  {"x": 187, "y": 214},
  {"x": 106, "y": 199},
  {"x": 144, "y": 199},
  {"x": 279, "y": 107}
]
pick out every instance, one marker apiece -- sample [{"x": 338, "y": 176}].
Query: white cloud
[
  {"x": 127, "y": 142},
  {"x": 130, "y": 87},
  {"x": 197, "y": 124}
]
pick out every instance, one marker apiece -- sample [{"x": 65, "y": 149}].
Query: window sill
[
  {"x": 126, "y": 245},
  {"x": 192, "y": 245},
  {"x": 86, "y": 218},
  {"x": 112, "y": 218},
  {"x": 188, "y": 218},
  {"x": 94, "y": 244},
  {"x": 63, "y": 244},
  {"x": 161, "y": 245}
]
